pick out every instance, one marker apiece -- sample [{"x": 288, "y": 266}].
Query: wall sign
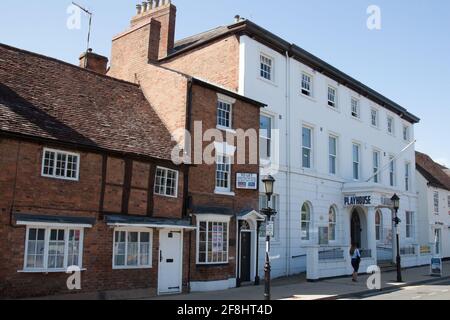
[
  {"x": 248, "y": 181},
  {"x": 436, "y": 267},
  {"x": 363, "y": 201}
]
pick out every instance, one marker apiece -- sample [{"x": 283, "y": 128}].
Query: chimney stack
[{"x": 94, "y": 62}]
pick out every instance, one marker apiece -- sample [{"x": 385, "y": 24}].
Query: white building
[{"x": 433, "y": 187}]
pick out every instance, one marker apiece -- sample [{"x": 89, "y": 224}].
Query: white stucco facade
[
  {"x": 290, "y": 111},
  {"x": 434, "y": 218}
]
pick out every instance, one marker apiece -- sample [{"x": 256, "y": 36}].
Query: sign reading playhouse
[{"x": 358, "y": 201}]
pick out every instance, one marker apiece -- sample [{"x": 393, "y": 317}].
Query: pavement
[{"x": 297, "y": 288}]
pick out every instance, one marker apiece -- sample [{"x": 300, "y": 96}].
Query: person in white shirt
[{"x": 356, "y": 260}]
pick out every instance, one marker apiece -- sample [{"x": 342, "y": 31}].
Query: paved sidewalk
[{"x": 297, "y": 288}]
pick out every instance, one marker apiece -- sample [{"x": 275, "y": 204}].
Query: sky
[{"x": 407, "y": 60}]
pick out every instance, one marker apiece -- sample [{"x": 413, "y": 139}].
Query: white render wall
[
  {"x": 290, "y": 111},
  {"x": 428, "y": 220}
]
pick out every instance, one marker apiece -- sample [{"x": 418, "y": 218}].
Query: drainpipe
[{"x": 288, "y": 157}]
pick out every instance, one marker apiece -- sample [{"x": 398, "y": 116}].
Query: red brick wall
[
  {"x": 217, "y": 62},
  {"x": 202, "y": 177},
  {"x": 38, "y": 195}
]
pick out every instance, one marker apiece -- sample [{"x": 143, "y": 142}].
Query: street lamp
[
  {"x": 396, "y": 203},
  {"x": 269, "y": 213}
]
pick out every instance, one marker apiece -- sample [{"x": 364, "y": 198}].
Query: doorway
[
  {"x": 246, "y": 256},
  {"x": 355, "y": 229},
  {"x": 170, "y": 262}
]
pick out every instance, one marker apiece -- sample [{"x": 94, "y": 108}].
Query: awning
[
  {"x": 53, "y": 221},
  {"x": 146, "y": 222}
]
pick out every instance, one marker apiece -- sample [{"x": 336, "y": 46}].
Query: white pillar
[{"x": 371, "y": 234}]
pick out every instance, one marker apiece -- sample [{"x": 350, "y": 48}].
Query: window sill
[
  {"x": 133, "y": 268},
  {"x": 271, "y": 82},
  {"x": 335, "y": 108},
  {"x": 229, "y": 130},
  {"x": 356, "y": 118},
  {"x": 46, "y": 271},
  {"x": 212, "y": 264},
  {"x": 224, "y": 193},
  {"x": 60, "y": 178},
  {"x": 375, "y": 127},
  {"x": 308, "y": 97},
  {"x": 166, "y": 196}
]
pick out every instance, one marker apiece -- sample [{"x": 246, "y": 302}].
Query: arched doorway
[{"x": 355, "y": 228}]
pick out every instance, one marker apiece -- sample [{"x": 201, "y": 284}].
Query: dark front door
[
  {"x": 356, "y": 229},
  {"x": 246, "y": 241}
]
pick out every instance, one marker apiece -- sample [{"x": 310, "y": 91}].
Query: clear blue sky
[{"x": 408, "y": 60}]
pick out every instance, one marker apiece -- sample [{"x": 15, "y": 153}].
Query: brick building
[{"x": 87, "y": 176}]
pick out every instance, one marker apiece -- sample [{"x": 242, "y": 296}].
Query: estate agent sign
[{"x": 248, "y": 181}]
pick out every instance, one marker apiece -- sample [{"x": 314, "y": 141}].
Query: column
[{"x": 371, "y": 234}]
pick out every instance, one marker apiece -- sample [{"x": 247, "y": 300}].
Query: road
[{"x": 436, "y": 291}]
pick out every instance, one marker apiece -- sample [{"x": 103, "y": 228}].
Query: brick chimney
[
  {"x": 150, "y": 37},
  {"x": 94, "y": 62}
]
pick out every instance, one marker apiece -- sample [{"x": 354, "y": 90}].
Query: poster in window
[{"x": 217, "y": 238}]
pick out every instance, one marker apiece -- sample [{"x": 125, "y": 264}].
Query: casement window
[
  {"x": 406, "y": 135},
  {"x": 223, "y": 173},
  {"x": 166, "y": 182},
  {"x": 332, "y": 97},
  {"x": 332, "y": 220},
  {"x": 392, "y": 171},
  {"x": 307, "y": 147},
  {"x": 224, "y": 114},
  {"x": 60, "y": 164},
  {"x": 53, "y": 249},
  {"x": 409, "y": 224},
  {"x": 266, "y": 71},
  {"x": 390, "y": 125},
  {"x": 374, "y": 117},
  {"x": 306, "y": 84},
  {"x": 274, "y": 204},
  {"x": 305, "y": 222},
  {"x": 332, "y": 157},
  {"x": 356, "y": 113},
  {"x": 436, "y": 202},
  {"x": 265, "y": 137},
  {"x": 378, "y": 225},
  {"x": 376, "y": 166},
  {"x": 407, "y": 176},
  {"x": 132, "y": 249},
  {"x": 356, "y": 161},
  {"x": 213, "y": 242}
]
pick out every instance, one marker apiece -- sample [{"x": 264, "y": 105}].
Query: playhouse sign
[{"x": 358, "y": 201}]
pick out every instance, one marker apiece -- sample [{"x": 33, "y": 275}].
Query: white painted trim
[
  {"x": 53, "y": 225},
  {"x": 211, "y": 218},
  {"x": 130, "y": 226},
  {"x": 181, "y": 266},
  {"x": 127, "y": 230},
  {"x": 54, "y": 176}
]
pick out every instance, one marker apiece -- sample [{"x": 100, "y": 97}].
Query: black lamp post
[
  {"x": 396, "y": 203},
  {"x": 269, "y": 213}
]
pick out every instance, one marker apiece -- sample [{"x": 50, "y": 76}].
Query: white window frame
[
  {"x": 407, "y": 176},
  {"x": 211, "y": 219},
  {"x": 379, "y": 226},
  {"x": 48, "y": 228},
  {"x": 271, "y": 66},
  {"x": 219, "y": 156},
  {"x": 308, "y": 222},
  {"x": 333, "y": 156},
  {"x": 376, "y": 166},
  {"x": 127, "y": 231},
  {"x": 355, "y": 113},
  {"x": 66, "y": 154},
  {"x": 436, "y": 202},
  {"x": 309, "y": 92},
  {"x": 377, "y": 118},
  {"x": 310, "y": 148},
  {"x": 390, "y": 123},
  {"x": 164, "y": 193},
  {"x": 332, "y": 223},
  {"x": 332, "y": 103},
  {"x": 406, "y": 133},
  {"x": 356, "y": 161},
  {"x": 392, "y": 171},
  {"x": 268, "y": 137},
  {"x": 409, "y": 227},
  {"x": 221, "y": 98}
]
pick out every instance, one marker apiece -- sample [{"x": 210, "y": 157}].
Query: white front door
[{"x": 170, "y": 262}]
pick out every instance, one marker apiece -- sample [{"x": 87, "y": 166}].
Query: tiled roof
[
  {"x": 432, "y": 171},
  {"x": 46, "y": 98},
  {"x": 279, "y": 44}
]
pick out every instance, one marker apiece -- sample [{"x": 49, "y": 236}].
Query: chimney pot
[
  {"x": 144, "y": 6},
  {"x": 138, "y": 9},
  {"x": 237, "y": 18}
]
